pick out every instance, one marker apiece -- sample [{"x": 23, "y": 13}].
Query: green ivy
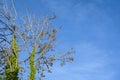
[
  {"x": 12, "y": 69},
  {"x": 32, "y": 66}
]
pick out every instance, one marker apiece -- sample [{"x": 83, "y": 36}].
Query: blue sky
[{"x": 92, "y": 27}]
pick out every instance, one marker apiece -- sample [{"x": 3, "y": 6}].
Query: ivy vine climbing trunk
[
  {"x": 12, "y": 68},
  {"x": 32, "y": 65}
]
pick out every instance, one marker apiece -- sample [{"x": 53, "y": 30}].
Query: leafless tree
[{"x": 30, "y": 32}]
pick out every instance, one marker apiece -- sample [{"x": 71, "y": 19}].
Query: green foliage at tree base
[
  {"x": 12, "y": 75},
  {"x": 12, "y": 68}
]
